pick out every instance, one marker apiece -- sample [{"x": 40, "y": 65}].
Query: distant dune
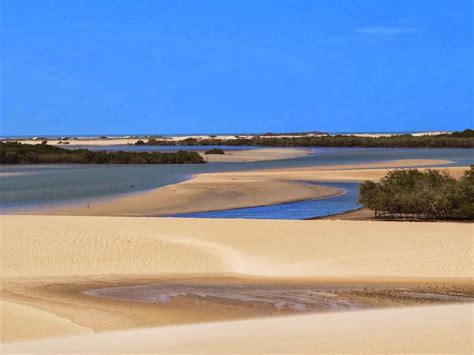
[{"x": 124, "y": 140}]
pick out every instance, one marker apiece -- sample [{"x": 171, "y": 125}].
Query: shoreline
[
  {"x": 201, "y": 193},
  {"x": 358, "y": 214},
  {"x": 309, "y": 183},
  {"x": 253, "y": 188},
  {"x": 365, "y": 214}
]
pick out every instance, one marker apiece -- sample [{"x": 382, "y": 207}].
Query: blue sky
[{"x": 131, "y": 66}]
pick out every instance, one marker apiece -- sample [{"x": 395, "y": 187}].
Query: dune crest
[{"x": 38, "y": 246}]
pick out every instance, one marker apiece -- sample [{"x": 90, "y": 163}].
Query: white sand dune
[
  {"x": 40, "y": 251},
  {"x": 431, "y": 329},
  {"x": 39, "y": 246},
  {"x": 83, "y": 141}
]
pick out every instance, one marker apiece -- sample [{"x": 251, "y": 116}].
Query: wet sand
[
  {"x": 67, "y": 306},
  {"x": 280, "y": 298}
]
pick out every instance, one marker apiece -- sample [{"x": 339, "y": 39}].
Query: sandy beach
[
  {"x": 49, "y": 261},
  {"x": 238, "y": 189}
]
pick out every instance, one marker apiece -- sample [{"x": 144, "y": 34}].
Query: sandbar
[
  {"x": 240, "y": 189},
  {"x": 260, "y": 154}
]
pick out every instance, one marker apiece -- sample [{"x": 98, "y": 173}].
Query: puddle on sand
[{"x": 287, "y": 297}]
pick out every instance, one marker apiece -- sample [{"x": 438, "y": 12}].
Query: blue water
[
  {"x": 32, "y": 186},
  {"x": 293, "y": 210}
]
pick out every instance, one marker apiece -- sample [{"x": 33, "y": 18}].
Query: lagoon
[{"x": 26, "y": 187}]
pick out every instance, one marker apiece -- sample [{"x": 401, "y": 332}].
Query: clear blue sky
[{"x": 132, "y": 66}]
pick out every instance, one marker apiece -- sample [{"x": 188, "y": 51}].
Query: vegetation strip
[
  {"x": 17, "y": 153},
  {"x": 464, "y": 139}
]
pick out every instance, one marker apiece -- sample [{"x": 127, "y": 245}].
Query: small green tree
[{"x": 412, "y": 193}]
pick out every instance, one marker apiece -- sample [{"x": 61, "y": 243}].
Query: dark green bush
[
  {"x": 426, "y": 194},
  {"x": 214, "y": 151}
]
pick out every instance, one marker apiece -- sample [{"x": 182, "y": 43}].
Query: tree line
[
  {"x": 18, "y": 153},
  {"x": 464, "y": 139},
  {"x": 414, "y": 194}
]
